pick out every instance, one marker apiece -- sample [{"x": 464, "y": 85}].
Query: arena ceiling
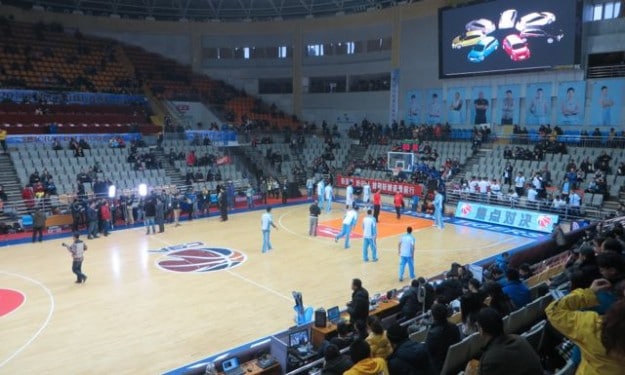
[{"x": 210, "y": 10}]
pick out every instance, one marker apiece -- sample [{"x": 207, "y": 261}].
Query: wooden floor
[{"x": 134, "y": 317}]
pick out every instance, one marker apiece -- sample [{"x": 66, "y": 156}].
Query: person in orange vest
[
  {"x": 398, "y": 202},
  {"x": 377, "y": 200}
]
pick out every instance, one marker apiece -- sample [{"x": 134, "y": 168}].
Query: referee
[{"x": 314, "y": 211}]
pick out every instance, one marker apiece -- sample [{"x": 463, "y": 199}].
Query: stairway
[
  {"x": 170, "y": 171},
  {"x": 356, "y": 152},
  {"x": 12, "y": 186}
]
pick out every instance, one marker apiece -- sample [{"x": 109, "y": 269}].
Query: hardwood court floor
[{"x": 134, "y": 317}]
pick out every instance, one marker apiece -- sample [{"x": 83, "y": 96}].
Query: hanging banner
[{"x": 394, "y": 97}]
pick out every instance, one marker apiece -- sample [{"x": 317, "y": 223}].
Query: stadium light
[
  {"x": 143, "y": 190},
  {"x": 112, "y": 191}
]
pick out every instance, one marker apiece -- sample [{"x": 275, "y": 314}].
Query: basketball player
[
  {"x": 377, "y": 201},
  {"x": 320, "y": 191},
  {"x": 314, "y": 212},
  {"x": 77, "y": 249},
  {"x": 405, "y": 250},
  {"x": 366, "y": 194},
  {"x": 438, "y": 210},
  {"x": 266, "y": 222},
  {"x": 349, "y": 194},
  {"x": 329, "y": 194},
  {"x": 369, "y": 234},
  {"x": 349, "y": 221}
]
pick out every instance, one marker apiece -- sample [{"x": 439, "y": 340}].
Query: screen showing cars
[{"x": 502, "y": 35}]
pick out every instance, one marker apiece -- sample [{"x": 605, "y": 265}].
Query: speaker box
[{"x": 321, "y": 318}]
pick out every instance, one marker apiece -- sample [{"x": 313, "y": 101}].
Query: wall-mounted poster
[
  {"x": 434, "y": 106},
  {"x": 606, "y": 102},
  {"x": 413, "y": 107},
  {"x": 538, "y": 103},
  {"x": 570, "y": 108},
  {"x": 508, "y": 104},
  {"x": 480, "y": 105},
  {"x": 456, "y": 106}
]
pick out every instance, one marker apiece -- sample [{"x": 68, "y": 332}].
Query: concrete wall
[{"x": 413, "y": 27}]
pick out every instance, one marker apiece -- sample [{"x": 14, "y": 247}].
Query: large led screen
[{"x": 503, "y": 35}]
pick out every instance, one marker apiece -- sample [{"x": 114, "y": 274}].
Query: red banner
[{"x": 386, "y": 187}]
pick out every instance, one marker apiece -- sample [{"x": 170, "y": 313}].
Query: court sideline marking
[
  {"x": 45, "y": 323},
  {"x": 232, "y": 273}
]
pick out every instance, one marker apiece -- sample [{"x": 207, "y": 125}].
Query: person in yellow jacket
[
  {"x": 377, "y": 340},
  {"x": 601, "y": 339},
  {"x": 3, "y": 140},
  {"x": 360, "y": 353}
]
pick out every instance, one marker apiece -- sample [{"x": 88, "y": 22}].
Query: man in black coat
[
  {"x": 358, "y": 308},
  {"x": 408, "y": 357},
  {"x": 409, "y": 302},
  {"x": 223, "y": 204},
  {"x": 441, "y": 336},
  {"x": 504, "y": 354}
]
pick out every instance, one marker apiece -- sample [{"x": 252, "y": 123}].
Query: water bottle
[{"x": 210, "y": 369}]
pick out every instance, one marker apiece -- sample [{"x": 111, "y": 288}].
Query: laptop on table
[{"x": 232, "y": 367}]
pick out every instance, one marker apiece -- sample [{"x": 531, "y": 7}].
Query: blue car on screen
[{"x": 483, "y": 49}]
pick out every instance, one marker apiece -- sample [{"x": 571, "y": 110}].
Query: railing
[{"x": 608, "y": 71}]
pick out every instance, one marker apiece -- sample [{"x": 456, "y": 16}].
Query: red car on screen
[{"x": 516, "y": 47}]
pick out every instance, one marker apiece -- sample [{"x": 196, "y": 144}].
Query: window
[
  {"x": 282, "y": 52},
  {"x": 315, "y": 50},
  {"x": 606, "y": 11}
]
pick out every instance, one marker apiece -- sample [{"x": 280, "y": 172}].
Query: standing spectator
[
  {"x": 377, "y": 202},
  {"x": 408, "y": 357},
  {"x": 314, "y": 212},
  {"x": 364, "y": 364},
  {"x": 105, "y": 217},
  {"x": 77, "y": 249},
  {"x": 28, "y": 195},
  {"x": 358, "y": 308},
  {"x": 504, "y": 354},
  {"x": 92, "y": 222},
  {"x": 266, "y": 222},
  {"x": 223, "y": 204},
  {"x": 3, "y": 140},
  {"x": 149, "y": 207},
  {"x": 440, "y": 337},
  {"x": 3, "y": 198},
  {"x": 160, "y": 215},
  {"x": 398, "y": 203},
  {"x": 39, "y": 223}
]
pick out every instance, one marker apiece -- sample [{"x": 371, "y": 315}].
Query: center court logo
[{"x": 196, "y": 257}]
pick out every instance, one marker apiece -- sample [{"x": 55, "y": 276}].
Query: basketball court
[{"x": 156, "y": 302}]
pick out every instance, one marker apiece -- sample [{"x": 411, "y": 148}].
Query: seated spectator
[
  {"x": 335, "y": 362},
  {"x": 441, "y": 336},
  {"x": 504, "y": 354},
  {"x": 525, "y": 271},
  {"x": 470, "y": 304},
  {"x": 497, "y": 299},
  {"x": 408, "y": 357},
  {"x": 379, "y": 344},
  {"x": 409, "y": 302},
  {"x": 56, "y": 146},
  {"x": 450, "y": 289},
  {"x": 601, "y": 339},
  {"x": 83, "y": 144},
  {"x": 502, "y": 261},
  {"x": 345, "y": 335},
  {"x": 518, "y": 292},
  {"x": 364, "y": 364}
]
